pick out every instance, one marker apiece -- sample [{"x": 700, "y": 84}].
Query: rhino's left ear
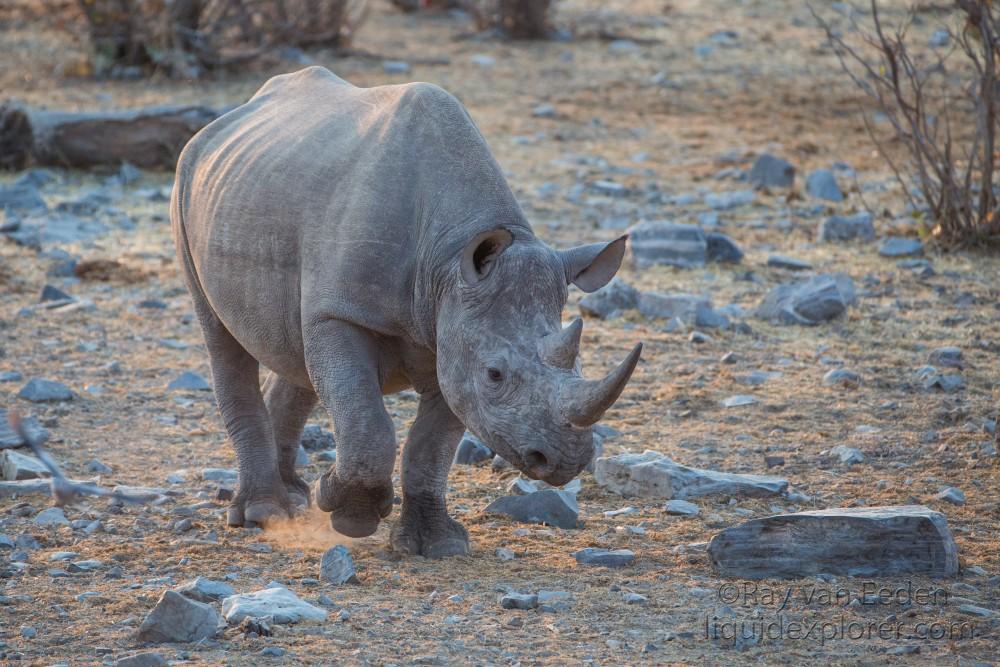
[{"x": 590, "y": 267}]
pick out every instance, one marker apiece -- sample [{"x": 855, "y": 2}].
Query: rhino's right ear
[
  {"x": 591, "y": 267},
  {"x": 481, "y": 252}
]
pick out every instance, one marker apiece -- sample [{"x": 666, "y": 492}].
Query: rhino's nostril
[{"x": 537, "y": 462}]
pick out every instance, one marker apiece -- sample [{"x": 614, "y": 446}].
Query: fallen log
[{"x": 149, "y": 138}]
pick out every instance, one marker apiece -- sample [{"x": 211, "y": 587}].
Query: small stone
[
  {"x": 723, "y": 201},
  {"x": 682, "y": 508},
  {"x": 974, "y": 610},
  {"x": 316, "y": 438},
  {"x": 739, "y": 400},
  {"x": 94, "y": 465},
  {"x": 337, "y": 567},
  {"x": 940, "y": 38},
  {"x": 43, "y": 391},
  {"x": 10, "y": 376},
  {"x": 272, "y": 652},
  {"x": 188, "y": 381},
  {"x": 667, "y": 243},
  {"x": 503, "y": 553},
  {"x": 848, "y": 228},
  {"x": 142, "y": 660},
  {"x": 948, "y": 383},
  {"x": 395, "y": 67},
  {"x": 301, "y": 457},
  {"x": 483, "y": 60},
  {"x": 895, "y": 246},
  {"x": 635, "y": 598},
  {"x": 789, "y": 263},
  {"x": 842, "y": 377},
  {"x": 822, "y": 184},
  {"x": 28, "y": 632},
  {"x": 280, "y": 603},
  {"x": 604, "y": 557},
  {"x": 21, "y": 197},
  {"x": 951, "y": 495},
  {"x": 53, "y": 516},
  {"x": 809, "y": 302},
  {"x": 847, "y": 455},
  {"x": 550, "y": 507},
  {"x": 544, "y": 111},
  {"x": 50, "y": 293},
  {"x": 224, "y": 475},
  {"x": 610, "y": 300},
  {"x": 950, "y": 357},
  {"x": 15, "y": 465},
  {"x": 201, "y": 589},
  {"x": 698, "y": 337},
  {"x": 730, "y": 358},
  {"x": 471, "y": 451},
  {"x": 769, "y": 171},
  {"x": 721, "y": 248},
  {"x": 176, "y": 618},
  {"x": 519, "y": 601}
]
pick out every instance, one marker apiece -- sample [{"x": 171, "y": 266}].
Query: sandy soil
[{"x": 659, "y": 116}]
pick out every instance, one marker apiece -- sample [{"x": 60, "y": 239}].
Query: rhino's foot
[
  {"x": 298, "y": 491},
  {"x": 425, "y": 529},
  {"x": 260, "y": 507},
  {"x": 355, "y": 508}
]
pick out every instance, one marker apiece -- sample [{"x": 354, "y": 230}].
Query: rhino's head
[{"x": 507, "y": 367}]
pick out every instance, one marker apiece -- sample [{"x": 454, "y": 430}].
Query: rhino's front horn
[
  {"x": 561, "y": 348},
  {"x": 583, "y": 402}
]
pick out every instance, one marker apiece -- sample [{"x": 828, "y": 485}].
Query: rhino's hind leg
[
  {"x": 424, "y": 527},
  {"x": 289, "y": 407},
  {"x": 342, "y": 360},
  {"x": 261, "y": 496}
]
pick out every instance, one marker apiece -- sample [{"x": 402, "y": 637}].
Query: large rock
[
  {"x": 279, "y": 603},
  {"x": 15, "y": 466},
  {"x": 848, "y": 227},
  {"x": 822, "y": 184},
  {"x": 769, "y": 171},
  {"x": 610, "y": 300},
  {"x": 38, "y": 390},
  {"x": 818, "y": 299},
  {"x": 176, "y": 618},
  {"x": 10, "y": 439},
  {"x": 653, "y": 475},
  {"x": 205, "y": 590},
  {"x": 337, "y": 566},
  {"x": 668, "y": 243},
  {"x": 859, "y": 541},
  {"x": 550, "y": 507}
]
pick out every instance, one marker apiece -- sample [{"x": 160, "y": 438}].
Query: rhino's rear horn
[
  {"x": 583, "y": 402},
  {"x": 561, "y": 348}
]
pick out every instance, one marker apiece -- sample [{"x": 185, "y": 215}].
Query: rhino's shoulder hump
[{"x": 309, "y": 78}]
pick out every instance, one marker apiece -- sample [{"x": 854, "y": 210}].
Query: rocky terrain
[{"x": 805, "y": 350}]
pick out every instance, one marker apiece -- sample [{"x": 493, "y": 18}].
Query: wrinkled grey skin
[{"x": 357, "y": 242}]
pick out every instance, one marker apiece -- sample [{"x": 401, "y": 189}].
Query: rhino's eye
[{"x": 494, "y": 374}]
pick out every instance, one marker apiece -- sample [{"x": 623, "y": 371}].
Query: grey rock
[
  {"x": 610, "y": 189},
  {"x": 21, "y": 198},
  {"x": 224, "y": 475},
  {"x": 723, "y": 201},
  {"x": 667, "y": 243},
  {"x": 96, "y": 466},
  {"x": 38, "y": 390},
  {"x": 550, "y": 507},
  {"x": 847, "y": 455},
  {"x": 279, "y": 603},
  {"x": 948, "y": 383},
  {"x": 142, "y": 660},
  {"x": 682, "y": 306},
  {"x": 848, "y": 227},
  {"x": 842, "y": 377},
  {"x": 544, "y": 111},
  {"x": 635, "y": 598},
  {"x": 301, "y": 457},
  {"x": 395, "y": 67},
  {"x": 28, "y": 632},
  {"x": 188, "y": 381},
  {"x": 653, "y": 475},
  {"x": 789, "y": 263},
  {"x": 940, "y": 38},
  {"x": 176, "y": 618},
  {"x": 738, "y": 401},
  {"x": 471, "y": 451},
  {"x": 950, "y": 357},
  {"x": 50, "y": 293},
  {"x": 769, "y": 171},
  {"x": 951, "y": 495},
  {"x": 201, "y": 589},
  {"x": 15, "y": 466},
  {"x": 11, "y": 376},
  {"x": 822, "y": 184},
  {"x": 720, "y": 248},
  {"x": 604, "y": 557},
  {"x": 679, "y": 507},
  {"x": 519, "y": 601},
  {"x": 818, "y": 299},
  {"x": 337, "y": 567},
  {"x": 896, "y": 246},
  {"x": 610, "y": 300},
  {"x": 876, "y": 541},
  {"x": 698, "y": 338},
  {"x": 53, "y": 516},
  {"x": 317, "y": 438}
]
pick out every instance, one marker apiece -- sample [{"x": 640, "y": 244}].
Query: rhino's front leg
[
  {"x": 424, "y": 527},
  {"x": 342, "y": 360}
]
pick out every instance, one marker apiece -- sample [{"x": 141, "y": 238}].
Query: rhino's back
[{"x": 307, "y": 197}]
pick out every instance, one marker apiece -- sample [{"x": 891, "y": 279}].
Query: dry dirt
[{"x": 662, "y": 115}]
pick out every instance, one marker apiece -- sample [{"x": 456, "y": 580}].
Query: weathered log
[
  {"x": 150, "y": 138},
  {"x": 859, "y": 541}
]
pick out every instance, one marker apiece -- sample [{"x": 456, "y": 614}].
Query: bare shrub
[
  {"x": 185, "y": 37},
  {"x": 516, "y": 19},
  {"x": 941, "y": 104}
]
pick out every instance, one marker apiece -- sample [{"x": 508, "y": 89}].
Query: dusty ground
[{"x": 660, "y": 116}]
